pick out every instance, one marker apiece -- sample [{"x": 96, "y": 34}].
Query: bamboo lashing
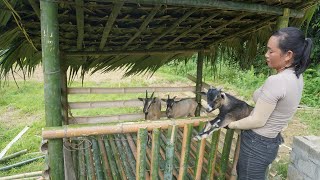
[{"x": 76, "y": 131}]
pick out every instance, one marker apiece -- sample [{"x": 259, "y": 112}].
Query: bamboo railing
[{"x": 124, "y": 146}]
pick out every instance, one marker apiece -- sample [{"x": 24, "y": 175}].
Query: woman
[{"x": 288, "y": 52}]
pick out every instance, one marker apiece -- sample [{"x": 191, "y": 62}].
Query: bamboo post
[
  {"x": 52, "y": 83},
  {"x": 64, "y": 91},
  {"x": 94, "y": 176},
  {"x": 116, "y": 154},
  {"x": 106, "y": 169},
  {"x": 89, "y": 168},
  {"x": 201, "y": 126},
  {"x": 124, "y": 159},
  {"x": 199, "y": 81},
  {"x": 82, "y": 172},
  {"x": 75, "y": 159},
  {"x": 13, "y": 155},
  {"x": 163, "y": 146},
  {"x": 187, "y": 132},
  {"x": 141, "y": 156},
  {"x": 111, "y": 158},
  {"x": 213, "y": 154},
  {"x": 225, "y": 154},
  {"x": 155, "y": 153},
  {"x": 200, "y": 155},
  {"x": 97, "y": 160},
  {"x": 171, "y": 138},
  {"x": 233, "y": 175},
  {"x": 283, "y": 21}
]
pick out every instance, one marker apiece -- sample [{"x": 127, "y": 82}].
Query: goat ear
[
  {"x": 223, "y": 95},
  {"x": 164, "y": 100},
  {"x": 141, "y": 99}
]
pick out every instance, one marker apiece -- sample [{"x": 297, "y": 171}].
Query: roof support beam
[
  {"x": 225, "y": 5},
  {"x": 172, "y": 27},
  {"x": 113, "y": 16},
  {"x": 126, "y": 52},
  {"x": 217, "y": 29},
  {"x": 143, "y": 25},
  {"x": 80, "y": 23},
  {"x": 190, "y": 30}
]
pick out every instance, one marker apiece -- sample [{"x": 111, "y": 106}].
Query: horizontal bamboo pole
[
  {"x": 126, "y": 52},
  {"x": 125, "y": 90},
  {"x": 105, "y": 104},
  {"x": 225, "y": 5},
  {"x": 24, "y": 175},
  {"x": 20, "y": 163},
  {"x": 105, "y": 119},
  {"x": 130, "y": 127},
  {"x": 13, "y": 155}
]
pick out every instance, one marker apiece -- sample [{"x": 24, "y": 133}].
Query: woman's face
[{"x": 274, "y": 56}]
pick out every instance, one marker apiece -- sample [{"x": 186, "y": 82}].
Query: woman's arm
[{"x": 261, "y": 114}]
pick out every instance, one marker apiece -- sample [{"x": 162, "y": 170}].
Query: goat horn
[
  {"x": 146, "y": 94},
  {"x": 152, "y": 95},
  {"x": 168, "y": 96}
]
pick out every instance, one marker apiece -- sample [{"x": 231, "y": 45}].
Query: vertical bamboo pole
[
  {"x": 233, "y": 173},
  {"x": 82, "y": 172},
  {"x": 64, "y": 91},
  {"x": 89, "y": 169},
  {"x": 94, "y": 176},
  {"x": 225, "y": 154},
  {"x": 125, "y": 161},
  {"x": 97, "y": 160},
  {"x": 52, "y": 83},
  {"x": 155, "y": 153},
  {"x": 111, "y": 158},
  {"x": 187, "y": 132},
  {"x": 105, "y": 163},
  {"x": 129, "y": 154},
  {"x": 199, "y": 81},
  {"x": 171, "y": 137},
  {"x": 201, "y": 126},
  {"x": 283, "y": 21},
  {"x": 213, "y": 154},
  {"x": 200, "y": 155},
  {"x": 141, "y": 156}
]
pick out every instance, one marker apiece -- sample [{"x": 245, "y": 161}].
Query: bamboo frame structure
[{"x": 199, "y": 81}]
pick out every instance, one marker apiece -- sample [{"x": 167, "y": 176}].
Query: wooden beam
[
  {"x": 283, "y": 21},
  {"x": 172, "y": 27},
  {"x": 80, "y": 23},
  {"x": 143, "y": 25},
  {"x": 199, "y": 81},
  {"x": 217, "y": 29},
  {"x": 113, "y": 16},
  {"x": 77, "y": 131},
  {"x": 191, "y": 29},
  {"x": 224, "y": 5},
  {"x": 128, "y": 52}
]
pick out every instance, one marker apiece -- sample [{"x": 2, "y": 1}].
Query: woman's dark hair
[{"x": 293, "y": 39}]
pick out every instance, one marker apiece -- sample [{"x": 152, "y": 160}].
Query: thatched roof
[{"x": 140, "y": 35}]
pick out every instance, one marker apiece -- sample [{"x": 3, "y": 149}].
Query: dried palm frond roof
[{"x": 140, "y": 35}]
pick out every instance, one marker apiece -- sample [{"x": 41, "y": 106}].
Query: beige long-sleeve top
[{"x": 276, "y": 102}]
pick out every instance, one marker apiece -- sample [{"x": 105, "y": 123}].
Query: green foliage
[{"x": 311, "y": 94}]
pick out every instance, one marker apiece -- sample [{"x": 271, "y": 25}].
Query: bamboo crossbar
[
  {"x": 95, "y": 90},
  {"x": 68, "y": 131}
]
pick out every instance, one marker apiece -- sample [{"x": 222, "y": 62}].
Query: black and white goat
[
  {"x": 230, "y": 109},
  {"x": 182, "y": 108},
  {"x": 151, "y": 107}
]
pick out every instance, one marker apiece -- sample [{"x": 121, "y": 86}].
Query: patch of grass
[{"x": 311, "y": 118}]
